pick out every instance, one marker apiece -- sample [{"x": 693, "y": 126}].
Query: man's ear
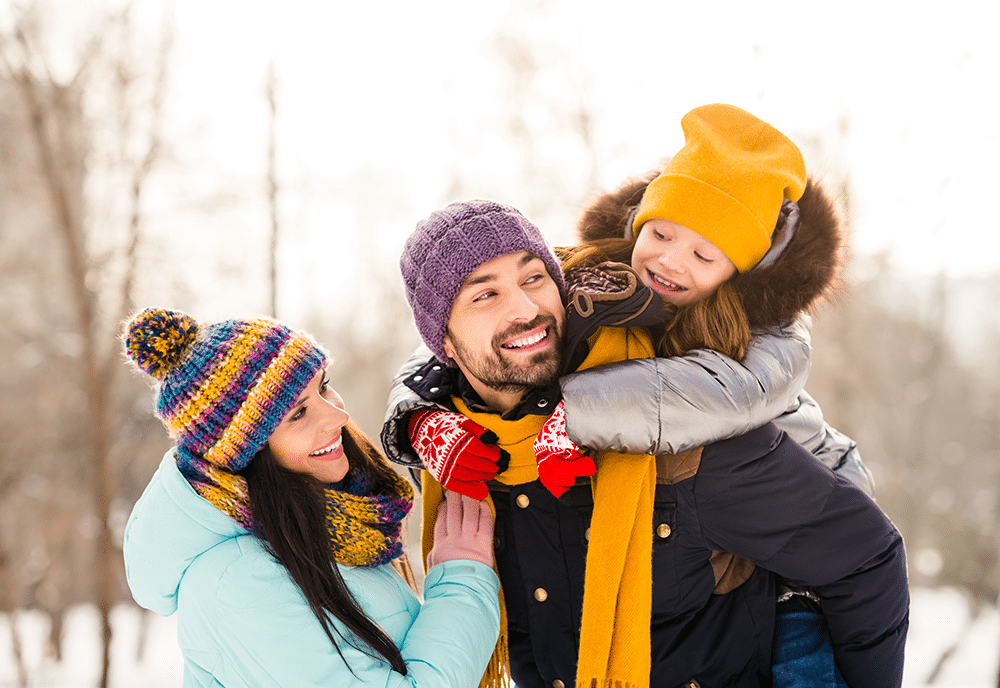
[{"x": 447, "y": 346}]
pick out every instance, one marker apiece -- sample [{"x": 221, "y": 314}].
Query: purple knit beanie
[{"x": 450, "y": 245}]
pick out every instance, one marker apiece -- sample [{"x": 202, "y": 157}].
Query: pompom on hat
[
  {"x": 449, "y": 246},
  {"x": 727, "y": 183},
  {"x": 222, "y": 390}
]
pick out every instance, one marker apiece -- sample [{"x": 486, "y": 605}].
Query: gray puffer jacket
[
  {"x": 670, "y": 405},
  {"x": 660, "y": 405}
]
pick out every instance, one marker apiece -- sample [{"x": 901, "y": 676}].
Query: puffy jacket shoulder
[
  {"x": 401, "y": 403},
  {"x": 169, "y": 527}
]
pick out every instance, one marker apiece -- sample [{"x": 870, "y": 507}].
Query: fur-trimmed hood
[{"x": 807, "y": 270}]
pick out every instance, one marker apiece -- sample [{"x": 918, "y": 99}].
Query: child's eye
[{"x": 703, "y": 259}]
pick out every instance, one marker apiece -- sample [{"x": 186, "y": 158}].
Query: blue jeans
[{"x": 803, "y": 654}]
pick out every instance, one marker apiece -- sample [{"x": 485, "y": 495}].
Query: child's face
[
  {"x": 309, "y": 439},
  {"x": 679, "y": 264}
]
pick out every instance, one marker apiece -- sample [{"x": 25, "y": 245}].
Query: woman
[{"x": 273, "y": 525}]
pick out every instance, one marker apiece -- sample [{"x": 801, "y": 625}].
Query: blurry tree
[{"x": 87, "y": 141}]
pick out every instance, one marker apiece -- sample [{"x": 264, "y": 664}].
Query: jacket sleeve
[
  {"x": 762, "y": 497},
  {"x": 267, "y": 636},
  {"x": 804, "y": 423},
  {"x": 402, "y": 402},
  {"x": 460, "y": 616},
  {"x": 668, "y": 405}
]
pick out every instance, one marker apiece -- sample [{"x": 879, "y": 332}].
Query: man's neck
[{"x": 495, "y": 400}]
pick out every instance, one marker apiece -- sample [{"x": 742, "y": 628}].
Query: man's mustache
[{"x": 520, "y": 328}]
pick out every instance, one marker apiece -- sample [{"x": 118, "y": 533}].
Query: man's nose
[{"x": 523, "y": 307}]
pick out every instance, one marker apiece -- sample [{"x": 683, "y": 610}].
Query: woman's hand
[{"x": 464, "y": 530}]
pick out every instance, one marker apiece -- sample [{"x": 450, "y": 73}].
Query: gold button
[
  {"x": 663, "y": 530},
  {"x": 541, "y": 595},
  {"x": 586, "y": 533},
  {"x": 692, "y": 684},
  {"x": 558, "y": 684},
  {"x": 523, "y": 501}
]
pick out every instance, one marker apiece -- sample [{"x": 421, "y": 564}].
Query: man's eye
[{"x": 485, "y": 295}]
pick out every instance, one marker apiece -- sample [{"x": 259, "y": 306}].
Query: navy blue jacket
[{"x": 760, "y": 496}]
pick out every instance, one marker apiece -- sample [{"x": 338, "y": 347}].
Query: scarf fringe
[{"x": 497, "y": 674}]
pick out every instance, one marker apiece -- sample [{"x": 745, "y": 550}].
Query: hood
[
  {"x": 806, "y": 271},
  {"x": 170, "y": 526}
]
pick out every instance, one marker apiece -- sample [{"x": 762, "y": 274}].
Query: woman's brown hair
[{"x": 289, "y": 513}]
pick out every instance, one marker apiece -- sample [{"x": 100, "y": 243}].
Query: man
[{"x": 488, "y": 299}]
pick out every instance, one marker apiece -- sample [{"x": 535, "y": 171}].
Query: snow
[{"x": 936, "y": 619}]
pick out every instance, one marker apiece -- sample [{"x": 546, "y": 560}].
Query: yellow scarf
[{"x": 617, "y": 597}]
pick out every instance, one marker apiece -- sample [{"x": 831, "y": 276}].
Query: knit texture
[
  {"x": 727, "y": 183},
  {"x": 450, "y": 245},
  {"x": 365, "y": 528},
  {"x": 222, "y": 389}
]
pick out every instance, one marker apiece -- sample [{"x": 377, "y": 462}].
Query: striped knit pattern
[
  {"x": 365, "y": 528},
  {"x": 222, "y": 390}
]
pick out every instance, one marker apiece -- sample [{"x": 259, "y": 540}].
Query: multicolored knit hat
[
  {"x": 450, "y": 245},
  {"x": 222, "y": 390},
  {"x": 727, "y": 183}
]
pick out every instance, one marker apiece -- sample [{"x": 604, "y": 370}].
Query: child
[
  {"x": 273, "y": 525},
  {"x": 731, "y": 236}
]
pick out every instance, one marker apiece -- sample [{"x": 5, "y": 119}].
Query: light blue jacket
[{"x": 243, "y": 623}]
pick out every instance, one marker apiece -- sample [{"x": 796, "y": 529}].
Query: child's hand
[
  {"x": 463, "y": 530},
  {"x": 560, "y": 461}
]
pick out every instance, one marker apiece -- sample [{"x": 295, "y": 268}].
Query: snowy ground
[{"x": 936, "y": 618}]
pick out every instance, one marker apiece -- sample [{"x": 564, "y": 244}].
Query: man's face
[{"x": 505, "y": 329}]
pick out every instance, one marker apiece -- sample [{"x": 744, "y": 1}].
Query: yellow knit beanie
[{"x": 727, "y": 183}]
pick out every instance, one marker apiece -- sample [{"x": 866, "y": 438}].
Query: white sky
[{"x": 390, "y": 87}]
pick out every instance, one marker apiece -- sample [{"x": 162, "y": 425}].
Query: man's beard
[{"x": 496, "y": 372}]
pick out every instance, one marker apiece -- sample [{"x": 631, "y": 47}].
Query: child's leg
[{"x": 803, "y": 654}]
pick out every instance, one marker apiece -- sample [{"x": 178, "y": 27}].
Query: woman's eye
[{"x": 298, "y": 414}]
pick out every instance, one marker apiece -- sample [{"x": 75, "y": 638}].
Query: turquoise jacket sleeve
[{"x": 243, "y": 622}]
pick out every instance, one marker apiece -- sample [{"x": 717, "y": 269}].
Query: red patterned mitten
[
  {"x": 460, "y": 454},
  {"x": 560, "y": 461}
]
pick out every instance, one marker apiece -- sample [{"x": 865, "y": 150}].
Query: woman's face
[
  {"x": 309, "y": 439},
  {"x": 679, "y": 264}
]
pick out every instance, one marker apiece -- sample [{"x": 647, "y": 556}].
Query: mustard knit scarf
[
  {"x": 364, "y": 528},
  {"x": 617, "y": 597}
]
